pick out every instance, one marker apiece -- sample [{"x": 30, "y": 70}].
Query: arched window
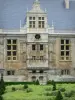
[
  {"x": 33, "y": 78},
  {"x": 41, "y": 78}
]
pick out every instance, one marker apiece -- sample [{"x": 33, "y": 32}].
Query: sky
[{"x": 12, "y": 11}]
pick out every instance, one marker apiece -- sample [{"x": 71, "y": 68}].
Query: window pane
[
  {"x": 14, "y": 58},
  {"x": 8, "y": 53},
  {"x": 62, "y": 47},
  {"x": 39, "y": 18},
  {"x": 42, "y": 18},
  {"x": 33, "y": 18},
  {"x": 62, "y": 41},
  {"x": 67, "y": 53},
  {"x": 8, "y": 47},
  {"x": 41, "y": 46},
  {"x": 33, "y": 47},
  {"x": 67, "y": 41},
  {"x": 62, "y": 53},
  {"x": 33, "y": 71},
  {"x": 8, "y": 72},
  {"x": 14, "y": 53},
  {"x": 9, "y": 41},
  {"x": 67, "y": 47},
  {"x": 14, "y": 47},
  {"x": 14, "y": 41}
]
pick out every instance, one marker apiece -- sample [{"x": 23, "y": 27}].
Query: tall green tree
[
  {"x": 2, "y": 85},
  {"x": 59, "y": 96}
]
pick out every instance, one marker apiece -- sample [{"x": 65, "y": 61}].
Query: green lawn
[{"x": 39, "y": 92}]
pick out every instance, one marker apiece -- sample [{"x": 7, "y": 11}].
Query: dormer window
[
  {"x": 41, "y": 22},
  {"x": 31, "y": 22}
]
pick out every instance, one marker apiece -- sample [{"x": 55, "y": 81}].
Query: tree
[
  {"x": 54, "y": 85},
  {"x": 37, "y": 82},
  {"x": 59, "y": 96},
  {"x": 2, "y": 85},
  {"x": 1, "y": 98}
]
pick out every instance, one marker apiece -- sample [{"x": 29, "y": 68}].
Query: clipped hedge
[
  {"x": 18, "y": 83},
  {"x": 61, "y": 82}
]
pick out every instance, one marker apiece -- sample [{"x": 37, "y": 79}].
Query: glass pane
[
  {"x": 67, "y": 41},
  {"x": 8, "y": 47},
  {"x": 62, "y": 41},
  {"x": 62, "y": 53},
  {"x": 41, "y": 46},
  {"x": 62, "y": 47},
  {"x": 14, "y": 53},
  {"x": 14, "y": 47},
  {"x": 67, "y": 53},
  {"x": 14, "y": 41},
  {"x": 14, "y": 58},
  {"x": 42, "y": 18},
  {"x": 8, "y": 53},
  {"x": 33, "y": 18},
  {"x": 8, "y": 41},
  {"x": 33, "y": 47},
  {"x": 67, "y": 47}
]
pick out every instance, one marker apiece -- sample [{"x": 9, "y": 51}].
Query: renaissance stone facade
[{"x": 37, "y": 51}]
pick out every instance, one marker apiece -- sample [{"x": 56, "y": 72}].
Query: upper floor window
[
  {"x": 11, "y": 49},
  {"x": 41, "y": 22},
  {"x": 41, "y": 46},
  {"x": 31, "y": 22},
  {"x": 33, "y": 47},
  {"x": 65, "y": 49}
]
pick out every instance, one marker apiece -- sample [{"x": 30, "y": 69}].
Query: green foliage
[
  {"x": 25, "y": 86},
  {"x": 1, "y": 98},
  {"x": 37, "y": 82},
  {"x": 62, "y": 89},
  {"x": 13, "y": 89},
  {"x": 49, "y": 82},
  {"x": 2, "y": 85},
  {"x": 69, "y": 93},
  {"x": 59, "y": 96},
  {"x": 18, "y": 83},
  {"x": 54, "y": 85},
  {"x": 29, "y": 90}
]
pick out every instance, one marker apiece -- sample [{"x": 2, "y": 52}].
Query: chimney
[{"x": 67, "y": 4}]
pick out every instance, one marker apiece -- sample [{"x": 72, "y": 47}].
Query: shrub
[
  {"x": 59, "y": 96},
  {"x": 54, "y": 85},
  {"x": 62, "y": 89},
  {"x": 47, "y": 94},
  {"x": 2, "y": 85},
  {"x": 48, "y": 89},
  {"x": 29, "y": 90},
  {"x": 25, "y": 86},
  {"x": 49, "y": 82},
  {"x": 13, "y": 89},
  {"x": 53, "y": 93},
  {"x": 69, "y": 94},
  {"x": 37, "y": 82},
  {"x": 1, "y": 98}
]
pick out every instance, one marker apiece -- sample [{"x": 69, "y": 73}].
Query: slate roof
[{"x": 12, "y": 11}]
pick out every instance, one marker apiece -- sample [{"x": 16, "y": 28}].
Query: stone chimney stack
[{"x": 67, "y": 4}]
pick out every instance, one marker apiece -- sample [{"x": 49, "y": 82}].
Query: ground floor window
[
  {"x": 65, "y": 72},
  {"x": 33, "y": 78},
  {"x": 41, "y": 78},
  {"x": 10, "y": 72}
]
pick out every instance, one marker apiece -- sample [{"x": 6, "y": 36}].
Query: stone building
[{"x": 37, "y": 50}]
